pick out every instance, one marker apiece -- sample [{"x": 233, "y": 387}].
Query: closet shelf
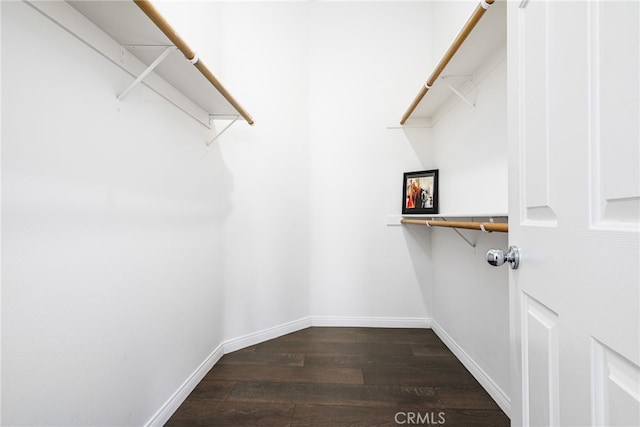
[
  {"x": 459, "y": 215},
  {"x": 137, "y": 38},
  {"x": 478, "y": 49}
]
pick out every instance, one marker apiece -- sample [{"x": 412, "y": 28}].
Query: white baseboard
[
  {"x": 479, "y": 374},
  {"x": 371, "y": 322},
  {"x": 174, "y": 402},
  {"x": 335, "y": 321},
  {"x": 265, "y": 335}
]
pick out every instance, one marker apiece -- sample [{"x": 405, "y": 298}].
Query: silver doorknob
[{"x": 497, "y": 257}]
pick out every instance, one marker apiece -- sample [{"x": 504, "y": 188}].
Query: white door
[{"x": 574, "y": 212}]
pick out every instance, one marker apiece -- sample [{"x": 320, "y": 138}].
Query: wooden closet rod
[
  {"x": 502, "y": 227},
  {"x": 466, "y": 30},
  {"x": 168, "y": 31}
]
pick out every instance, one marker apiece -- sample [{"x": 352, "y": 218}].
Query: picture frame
[{"x": 420, "y": 192}]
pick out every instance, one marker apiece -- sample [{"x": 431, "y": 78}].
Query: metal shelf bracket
[
  {"x": 473, "y": 245},
  {"x": 147, "y": 71},
  {"x": 456, "y": 92},
  {"x": 218, "y": 134}
]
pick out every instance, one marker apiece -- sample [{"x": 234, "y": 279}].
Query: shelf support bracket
[
  {"x": 146, "y": 72},
  {"x": 458, "y": 94},
  {"x": 473, "y": 245},
  {"x": 218, "y": 134}
]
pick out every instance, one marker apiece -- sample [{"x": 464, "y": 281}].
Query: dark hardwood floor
[{"x": 341, "y": 377}]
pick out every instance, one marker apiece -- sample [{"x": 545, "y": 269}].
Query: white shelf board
[
  {"x": 460, "y": 215},
  {"x": 486, "y": 42},
  {"x": 122, "y": 33},
  {"x": 127, "y": 24}
]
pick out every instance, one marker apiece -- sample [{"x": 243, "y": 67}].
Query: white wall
[
  {"x": 332, "y": 77},
  {"x": 471, "y": 297},
  {"x": 471, "y": 150},
  {"x": 113, "y": 214},
  {"x": 368, "y": 60},
  {"x": 265, "y": 65}
]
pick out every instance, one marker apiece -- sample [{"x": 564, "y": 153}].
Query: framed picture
[{"x": 420, "y": 192}]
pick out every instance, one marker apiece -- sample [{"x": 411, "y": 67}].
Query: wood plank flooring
[{"x": 341, "y": 377}]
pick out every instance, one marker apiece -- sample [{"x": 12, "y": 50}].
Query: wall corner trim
[
  {"x": 173, "y": 403},
  {"x": 500, "y": 397}
]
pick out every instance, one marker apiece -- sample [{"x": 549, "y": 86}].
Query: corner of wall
[
  {"x": 486, "y": 380},
  {"x": 173, "y": 403}
]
